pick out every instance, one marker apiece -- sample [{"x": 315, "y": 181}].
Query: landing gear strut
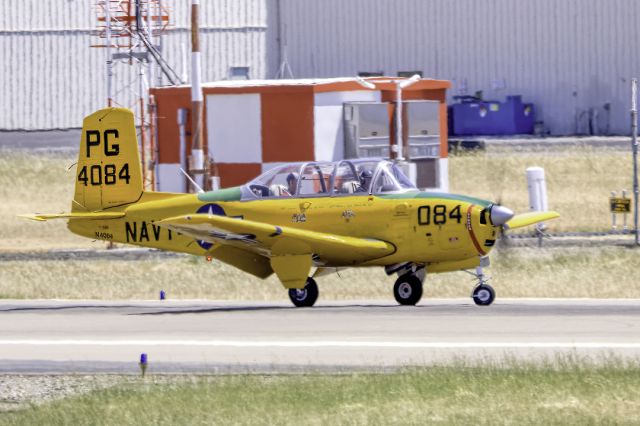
[
  {"x": 304, "y": 297},
  {"x": 483, "y": 294},
  {"x": 408, "y": 287}
]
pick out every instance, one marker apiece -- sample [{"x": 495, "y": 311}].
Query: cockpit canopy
[{"x": 328, "y": 179}]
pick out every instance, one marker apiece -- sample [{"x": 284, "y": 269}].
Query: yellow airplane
[{"x": 291, "y": 219}]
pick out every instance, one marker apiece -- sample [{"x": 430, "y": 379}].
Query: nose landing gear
[{"x": 483, "y": 294}]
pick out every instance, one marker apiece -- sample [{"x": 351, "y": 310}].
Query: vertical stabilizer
[{"x": 108, "y": 172}]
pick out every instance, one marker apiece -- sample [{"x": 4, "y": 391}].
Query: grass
[
  {"x": 549, "y": 272},
  {"x": 567, "y": 394},
  {"x": 36, "y": 182},
  {"x": 579, "y": 182}
]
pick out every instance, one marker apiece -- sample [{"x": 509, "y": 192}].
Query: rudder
[{"x": 109, "y": 172}]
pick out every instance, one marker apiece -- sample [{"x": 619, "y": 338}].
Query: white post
[
  {"x": 625, "y": 228},
  {"x": 537, "y": 192},
  {"x": 182, "y": 131},
  {"x": 614, "y": 225},
  {"x": 403, "y": 84},
  {"x": 197, "y": 153}
]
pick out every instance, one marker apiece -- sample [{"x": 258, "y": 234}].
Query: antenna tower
[{"x": 131, "y": 32}]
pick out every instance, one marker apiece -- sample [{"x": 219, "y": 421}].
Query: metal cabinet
[
  {"x": 423, "y": 129},
  {"x": 366, "y": 127}
]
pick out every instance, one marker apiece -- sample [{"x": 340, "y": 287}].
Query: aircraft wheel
[
  {"x": 484, "y": 295},
  {"x": 304, "y": 297},
  {"x": 408, "y": 289}
]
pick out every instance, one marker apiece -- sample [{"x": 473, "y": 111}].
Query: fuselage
[{"x": 436, "y": 229}]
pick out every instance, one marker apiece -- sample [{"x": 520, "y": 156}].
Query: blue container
[{"x": 475, "y": 117}]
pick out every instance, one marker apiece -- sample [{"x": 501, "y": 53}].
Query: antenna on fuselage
[{"x": 193, "y": 182}]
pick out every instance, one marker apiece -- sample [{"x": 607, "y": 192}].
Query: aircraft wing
[
  {"x": 96, "y": 216},
  {"x": 526, "y": 219},
  {"x": 277, "y": 240}
]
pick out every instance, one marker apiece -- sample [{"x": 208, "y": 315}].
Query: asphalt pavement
[{"x": 220, "y": 337}]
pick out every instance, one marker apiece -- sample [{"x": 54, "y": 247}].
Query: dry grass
[
  {"x": 548, "y": 272},
  {"x": 35, "y": 182},
  {"x": 574, "y": 394},
  {"x": 579, "y": 182}
]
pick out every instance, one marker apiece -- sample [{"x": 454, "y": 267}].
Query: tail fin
[{"x": 109, "y": 172}]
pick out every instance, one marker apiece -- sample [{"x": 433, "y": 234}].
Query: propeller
[{"x": 500, "y": 215}]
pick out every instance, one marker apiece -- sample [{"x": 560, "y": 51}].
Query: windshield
[
  {"x": 345, "y": 177},
  {"x": 281, "y": 181}
]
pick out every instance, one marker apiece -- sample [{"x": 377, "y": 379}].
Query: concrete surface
[{"x": 214, "y": 336}]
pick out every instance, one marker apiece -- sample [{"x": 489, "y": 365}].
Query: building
[
  {"x": 251, "y": 126},
  {"x": 573, "y": 59}
]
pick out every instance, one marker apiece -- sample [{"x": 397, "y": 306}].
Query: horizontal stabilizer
[
  {"x": 90, "y": 216},
  {"x": 531, "y": 218}
]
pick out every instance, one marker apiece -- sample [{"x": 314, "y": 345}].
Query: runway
[{"x": 220, "y": 337}]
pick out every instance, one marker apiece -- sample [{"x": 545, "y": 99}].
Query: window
[
  {"x": 239, "y": 73},
  {"x": 315, "y": 179},
  {"x": 391, "y": 179},
  {"x": 370, "y": 73},
  {"x": 408, "y": 74},
  {"x": 277, "y": 182}
]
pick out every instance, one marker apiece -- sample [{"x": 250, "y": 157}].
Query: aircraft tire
[
  {"x": 484, "y": 295},
  {"x": 306, "y": 297},
  {"x": 408, "y": 290}
]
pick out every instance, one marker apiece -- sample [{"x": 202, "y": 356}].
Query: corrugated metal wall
[
  {"x": 51, "y": 78},
  {"x": 566, "y": 56}
]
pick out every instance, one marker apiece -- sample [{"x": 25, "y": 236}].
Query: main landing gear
[
  {"x": 304, "y": 297},
  {"x": 483, "y": 294},
  {"x": 408, "y": 287}
]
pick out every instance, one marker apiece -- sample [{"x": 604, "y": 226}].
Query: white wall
[
  {"x": 545, "y": 50},
  {"x": 234, "y": 128},
  {"x": 170, "y": 178},
  {"x": 565, "y": 56},
  {"x": 328, "y": 130},
  {"x": 51, "y": 78}
]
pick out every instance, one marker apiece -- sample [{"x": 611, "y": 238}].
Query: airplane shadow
[
  {"x": 222, "y": 309},
  {"x": 67, "y": 307}
]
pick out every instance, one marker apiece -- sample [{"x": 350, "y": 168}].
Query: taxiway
[{"x": 215, "y": 336}]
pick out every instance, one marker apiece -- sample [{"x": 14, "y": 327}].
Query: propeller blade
[{"x": 526, "y": 219}]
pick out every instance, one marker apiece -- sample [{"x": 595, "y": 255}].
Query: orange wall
[
  {"x": 168, "y": 102},
  {"x": 287, "y": 126},
  {"x": 237, "y": 174}
]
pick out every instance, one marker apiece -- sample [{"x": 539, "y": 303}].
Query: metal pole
[
  {"x": 143, "y": 133},
  {"x": 634, "y": 147},
  {"x": 109, "y": 69},
  {"x": 197, "y": 152},
  {"x": 399, "y": 153},
  {"x": 149, "y": 32},
  {"x": 159, "y": 38},
  {"x": 400, "y": 85}
]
